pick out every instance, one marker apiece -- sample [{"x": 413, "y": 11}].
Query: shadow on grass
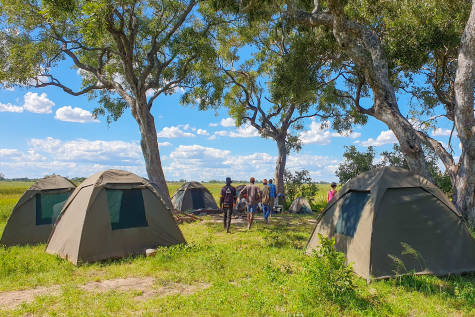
[{"x": 459, "y": 288}]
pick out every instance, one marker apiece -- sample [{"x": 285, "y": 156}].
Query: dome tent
[
  {"x": 193, "y": 196},
  {"x": 33, "y": 217},
  {"x": 112, "y": 214},
  {"x": 390, "y": 221},
  {"x": 300, "y": 206}
]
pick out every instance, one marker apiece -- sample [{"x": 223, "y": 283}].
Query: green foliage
[
  {"x": 327, "y": 273},
  {"x": 355, "y": 163},
  {"x": 299, "y": 184},
  {"x": 358, "y": 162}
]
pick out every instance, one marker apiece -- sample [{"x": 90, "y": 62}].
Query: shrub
[{"x": 327, "y": 273}]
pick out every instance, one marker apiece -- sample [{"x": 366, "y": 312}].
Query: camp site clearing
[{"x": 260, "y": 272}]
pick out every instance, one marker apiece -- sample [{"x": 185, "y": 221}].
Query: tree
[
  {"x": 355, "y": 163},
  {"x": 358, "y": 162},
  {"x": 370, "y": 34},
  {"x": 128, "y": 53},
  {"x": 278, "y": 85},
  {"x": 2, "y": 177},
  {"x": 299, "y": 184}
]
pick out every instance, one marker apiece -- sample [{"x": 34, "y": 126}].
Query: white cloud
[
  {"x": 174, "y": 132},
  {"x": 10, "y": 108},
  {"x": 385, "y": 137},
  {"x": 76, "y": 114},
  {"x": 245, "y": 131},
  {"x": 202, "y": 132},
  {"x": 196, "y": 162},
  {"x": 32, "y": 102},
  {"x": 78, "y": 157},
  {"x": 441, "y": 132},
  {"x": 228, "y": 122},
  {"x": 164, "y": 144},
  {"x": 9, "y": 88},
  {"x": 37, "y": 103},
  {"x": 317, "y": 134},
  {"x": 88, "y": 150},
  {"x": 213, "y": 124}
]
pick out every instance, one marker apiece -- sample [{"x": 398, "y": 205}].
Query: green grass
[{"x": 260, "y": 272}]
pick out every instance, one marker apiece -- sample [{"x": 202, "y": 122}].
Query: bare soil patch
[{"x": 144, "y": 286}]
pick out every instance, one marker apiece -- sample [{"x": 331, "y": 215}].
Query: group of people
[{"x": 253, "y": 195}]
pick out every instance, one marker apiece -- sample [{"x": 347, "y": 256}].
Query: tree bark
[
  {"x": 280, "y": 165},
  {"x": 464, "y": 194},
  {"x": 151, "y": 153}
]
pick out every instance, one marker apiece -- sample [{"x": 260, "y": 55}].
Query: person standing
[
  {"x": 253, "y": 197},
  {"x": 332, "y": 191},
  {"x": 265, "y": 200},
  {"x": 227, "y": 202},
  {"x": 272, "y": 195}
]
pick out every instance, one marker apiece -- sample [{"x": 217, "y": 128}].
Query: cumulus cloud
[
  {"x": 441, "y": 132},
  {"x": 196, "y": 162},
  {"x": 246, "y": 131},
  {"x": 175, "y": 132},
  {"x": 316, "y": 134},
  {"x": 76, "y": 114},
  {"x": 10, "y": 108},
  {"x": 83, "y": 150},
  {"x": 385, "y": 137},
  {"x": 164, "y": 144},
  {"x": 32, "y": 102},
  {"x": 212, "y": 124},
  {"x": 78, "y": 157},
  {"x": 228, "y": 122},
  {"x": 37, "y": 103}
]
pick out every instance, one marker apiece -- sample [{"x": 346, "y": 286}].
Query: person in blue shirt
[{"x": 272, "y": 195}]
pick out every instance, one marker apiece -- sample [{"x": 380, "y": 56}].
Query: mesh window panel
[
  {"x": 126, "y": 208},
  {"x": 198, "y": 200},
  {"x": 48, "y": 207},
  {"x": 350, "y": 213}
]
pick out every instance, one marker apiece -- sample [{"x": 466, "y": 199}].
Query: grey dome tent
[
  {"x": 390, "y": 221},
  {"x": 193, "y": 197},
  {"x": 300, "y": 206},
  {"x": 33, "y": 217},
  {"x": 112, "y": 214}
]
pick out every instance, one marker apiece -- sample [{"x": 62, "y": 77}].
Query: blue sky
[{"x": 45, "y": 131}]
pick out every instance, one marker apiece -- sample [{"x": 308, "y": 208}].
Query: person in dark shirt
[{"x": 227, "y": 202}]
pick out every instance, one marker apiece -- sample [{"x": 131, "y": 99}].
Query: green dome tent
[
  {"x": 194, "y": 197},
  {"x": 112, "y": 214},
  {"x": 390, "y": 221},
  {"x": 33, "y": 217},
  {"x": 300, "y": 206}
]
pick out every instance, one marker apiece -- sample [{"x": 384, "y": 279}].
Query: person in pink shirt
[{"x": 332, "y": 192}]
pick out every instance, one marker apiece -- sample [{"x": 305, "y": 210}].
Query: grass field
[{"x": 261, "y": 272}]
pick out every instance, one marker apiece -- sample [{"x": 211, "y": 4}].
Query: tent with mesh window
[
  {"x": 33, "y": 217},
  {"x": 390, "y": 221},
  {"x": 300, "y": 205},
  {"x": 194, "y": 197},
  {"x": 112, "y": 214}
]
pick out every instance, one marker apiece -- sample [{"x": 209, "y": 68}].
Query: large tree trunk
[
  {"x": 280, "y": 165},
  {"x": 150, "y": 149},
  {"x": 465, "y": 121}
]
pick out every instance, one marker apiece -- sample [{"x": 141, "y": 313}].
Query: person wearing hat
[
  {"x": 332, "y": 192},
  {"x": 227, "y": 202},
  {"x": 253, "y": 197},
  {"x": 265, "y": 199}
]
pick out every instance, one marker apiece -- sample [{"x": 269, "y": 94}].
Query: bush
[
  {"x": 299, "y": 184},
  {"x": 327, "y": 273}
]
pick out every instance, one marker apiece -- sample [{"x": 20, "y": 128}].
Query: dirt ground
[{"x": 145, "y": 287}]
